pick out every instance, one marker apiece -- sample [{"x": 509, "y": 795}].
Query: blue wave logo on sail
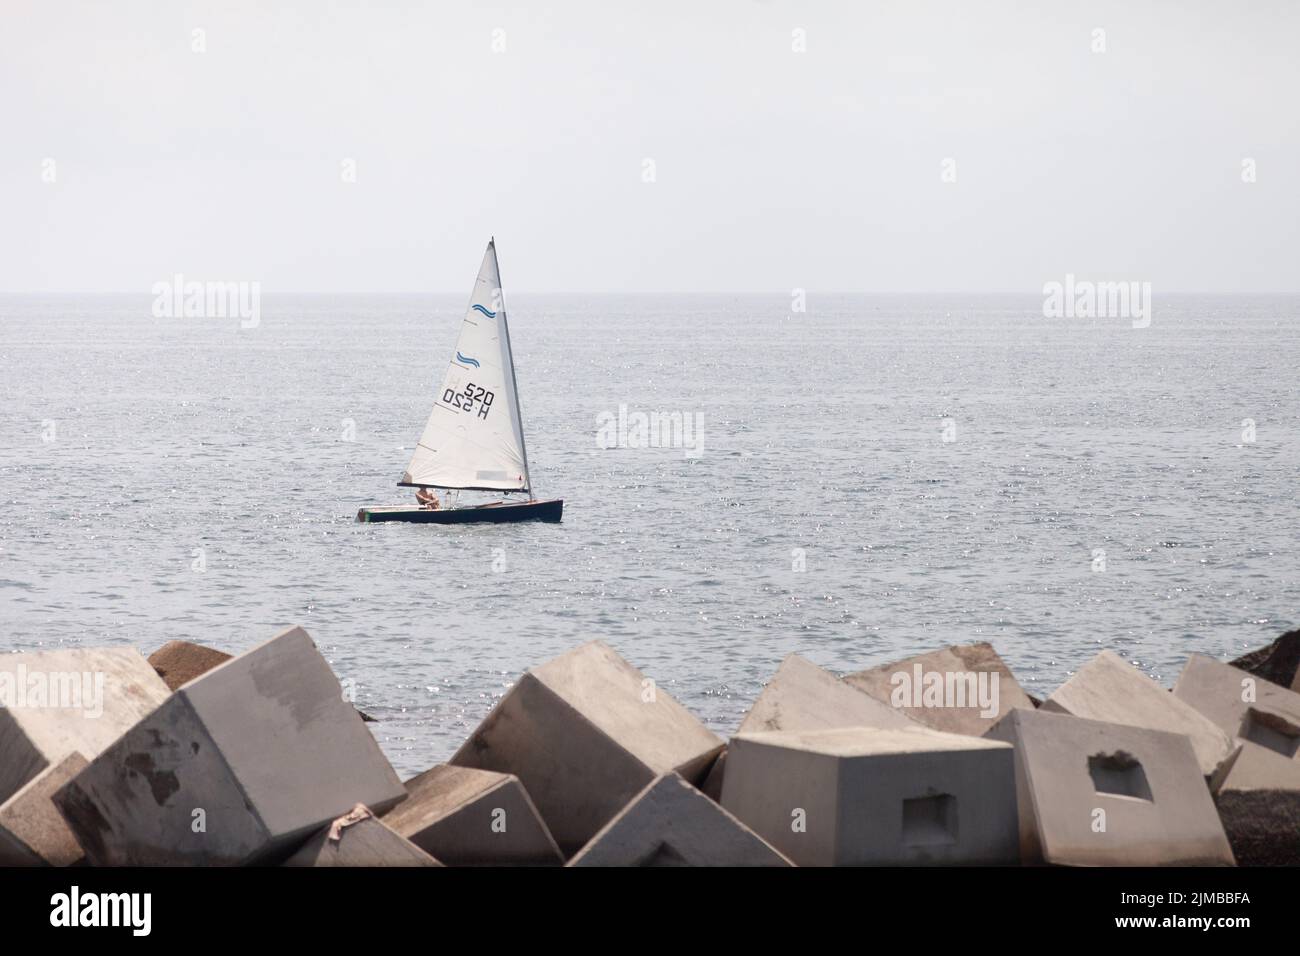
[
  {"x": 479, "y": 308},
  {"x": 465, "y": 360}
]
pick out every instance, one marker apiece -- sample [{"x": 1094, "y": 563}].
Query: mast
[{"x": 514, "y": 385}]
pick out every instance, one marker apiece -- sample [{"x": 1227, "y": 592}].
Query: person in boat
[{"x": 427, "y": 499}]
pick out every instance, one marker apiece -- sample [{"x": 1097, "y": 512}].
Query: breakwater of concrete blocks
[{"x": 196, "y": 757}]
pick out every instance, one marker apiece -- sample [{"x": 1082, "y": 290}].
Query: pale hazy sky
[{"x": 774, "y": 169}]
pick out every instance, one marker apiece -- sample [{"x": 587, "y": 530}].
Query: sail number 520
[{"x": 466, "y": 400}]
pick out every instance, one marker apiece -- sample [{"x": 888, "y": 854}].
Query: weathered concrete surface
[
  {"x": 1277, "y": 662},
  {"x": 803, "y": 696},
  {"x": 54, "y": 703},
  {"x": 1110, "y": 689},
  {"x": 359, "y": 839},
  {"x": 239, "y": 765},
  {"x": 31, "y": 828},
  {"x": 1224, "y": 693},
  {"x": 893, "y": 683},
  {"x": 1259, "y": 797},
  {"x": 1264, "y": 718},
  {"x": 585, "y": 733},
  {"x": 854, "y": 796},
  {"x": 670, "y": 823},
  {"x": 1101, "y": 794},
  {"x": 468, "y": 817},
  {"x": 179, "y": 662}
]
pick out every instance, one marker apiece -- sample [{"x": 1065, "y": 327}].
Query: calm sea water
[{"x": 198, "y": 485}]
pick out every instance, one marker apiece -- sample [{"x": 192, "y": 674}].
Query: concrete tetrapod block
[
  {"x": 1240, "y": 704},
  {"x": 1100, "y": 794},
  {"x": 54, "y": 703},
  {"x": 179, "y": 662},
  {"x": 1259, "y": 798},
  {"x": 585, "y": 733},
  {"x": 468, "y": 817},
  {"x": 866, "y": 796},
  {"x": 670, "y": 823},
  {"x": 358, "y": 839},
  {"x": 962, "y": 689},
  {"x": 30, "y": 819},
  {"x": 1110, "y": 689},
  {"x": 802, "y": 696},
  {"x": 237, "y": 766}
]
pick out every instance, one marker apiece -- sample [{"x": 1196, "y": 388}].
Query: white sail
[{"x": 474, "y": 438}]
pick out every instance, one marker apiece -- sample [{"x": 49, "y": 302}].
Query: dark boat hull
[{"x": 497, "y": 513}]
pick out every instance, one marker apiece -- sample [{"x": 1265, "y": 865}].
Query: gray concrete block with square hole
[
  {"x": 1109, "y": 688},
  {"x": 1093, "y": 793},
  {"x": 866, "y": 796},
  {"x": 1259, "y": 796}
]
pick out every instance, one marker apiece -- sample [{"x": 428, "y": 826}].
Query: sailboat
[{"x": 474, "y": 440}]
